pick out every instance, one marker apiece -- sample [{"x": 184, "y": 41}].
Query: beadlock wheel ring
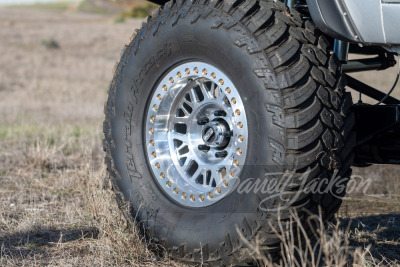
[{"x": 196, "y": 134}]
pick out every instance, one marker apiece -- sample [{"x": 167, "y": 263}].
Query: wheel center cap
[
  {"x": 213, "y": 133},
  {"x": 209, "y": 135}
]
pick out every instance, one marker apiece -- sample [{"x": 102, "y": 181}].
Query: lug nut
[
  {"x": 228, "y": 134},
  {"x": 219, "y": 113},
  {"x": 228, "y": 90},
  {"x": 165, "y": 88},
  {"x": 204, "y": 148},
  {"x": 162, "y": 175},
  {"x": 221, "y": 154},
  {"x": 159, "y": 97},
  {"x": 203, "y": 121},
  {"x": 184, "y": 195},
  {"x": 240, "y": 138}
]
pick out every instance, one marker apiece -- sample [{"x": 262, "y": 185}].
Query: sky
[{"x": 17, "y": 2}]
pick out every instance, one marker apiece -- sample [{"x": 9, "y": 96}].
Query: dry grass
[
  {"x": 56, "y": 207},
  {"x": 331, "y": 246}
]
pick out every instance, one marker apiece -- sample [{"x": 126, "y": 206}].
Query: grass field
[{"x": 56, "y": 207}]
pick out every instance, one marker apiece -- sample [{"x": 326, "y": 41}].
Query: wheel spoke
[
  {"x": 180, "y": 120},
  {"x": 221, "y": 96},
  {"x": 179, "y": 148},
  {"x": 187, "y": 102},
  {"x": 204, "y": 90},
  {"x": 187, "y": 163},
  {"x": 180, "y": 137},
  {"x": 187, "y": 113},
  {"x": 198, "y": 172},
  {"x": 216, "y": 175},
  {"x": 193, "y": 96},
  {"x": 185, "y": 107}
]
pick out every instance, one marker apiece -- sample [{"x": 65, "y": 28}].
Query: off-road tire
[{"x": 298, "y": 113}]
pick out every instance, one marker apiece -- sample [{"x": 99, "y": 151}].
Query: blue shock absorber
[
  {"x": 290, "y": 3},
  {"x": 341, "y": 50}
]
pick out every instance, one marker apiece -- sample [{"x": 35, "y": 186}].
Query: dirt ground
[{"x": 55, "y": 204}]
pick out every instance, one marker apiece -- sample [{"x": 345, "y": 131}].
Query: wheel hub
[
  {"x": 196, "y": 134},
  {"x": 215, "y": 134}
]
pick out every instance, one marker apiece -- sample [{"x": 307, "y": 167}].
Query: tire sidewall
[{"x": 144, "y": 67}]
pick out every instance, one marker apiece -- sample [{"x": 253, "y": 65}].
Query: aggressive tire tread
[{"x": 317, "y": 121}]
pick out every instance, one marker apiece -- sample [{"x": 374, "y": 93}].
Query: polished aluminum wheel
[{"x": 196, "y": 134}]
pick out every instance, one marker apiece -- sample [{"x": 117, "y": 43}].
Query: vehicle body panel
[
  {"x": 360, "y": 21},
  {"x": 391, "y": 22}
]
